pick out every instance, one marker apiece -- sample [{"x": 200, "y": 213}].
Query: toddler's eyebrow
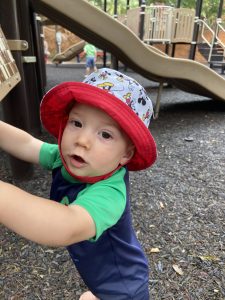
[
  {"x": 73, "y": 113},
  {"x": 110, "y": 124}
]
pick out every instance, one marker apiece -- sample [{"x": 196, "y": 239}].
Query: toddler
[{"x": 102, "y": 130}]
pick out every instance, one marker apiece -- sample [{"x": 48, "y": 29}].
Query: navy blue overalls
[{"x": 114, "y": 267}]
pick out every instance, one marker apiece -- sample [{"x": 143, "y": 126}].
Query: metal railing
[
  {"x": 215, "y": 39},
  {"x": 219, "y": 28},
  {"x": 203, "y": 26}
]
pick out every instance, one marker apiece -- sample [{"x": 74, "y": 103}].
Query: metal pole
[
  {"x": 220, "y": 10},
  {"x": 29, "y": 66},
  {"x": 38, "y": 40},
  {"x": 114, "y": 60},
  {"x": 178, "y": 4},
  {"x": 115, "y": 9},
  {"x": 15, "y": 104},
  {"x": 196, "y": 30},
  {"x": 174, "y": 44},
  {"x": 218, "y": 22},
  {"x": 104, "y": 52},
  {"x": 105, "y": 5},
  {"x": 142, "y": 19},
  {"x": 128, "y": 5}
]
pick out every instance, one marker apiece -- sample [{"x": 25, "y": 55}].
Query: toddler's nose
[{"x": 84, "y": 139}]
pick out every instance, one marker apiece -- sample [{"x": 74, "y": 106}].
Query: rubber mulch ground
[{"x": 178, "y": 207}]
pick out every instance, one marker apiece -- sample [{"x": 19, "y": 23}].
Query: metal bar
[
  {"x": 114, "y": 60},
  {"x": 29, "y": 67},
  {"x": 196, "y": 29},
  {"x": 17, "y": 45},
  {"x": 157, "y": 106},
  {"x": 115, "y": 9},
  {"x": 38, "y": 36},
  {"x": 220, "y": 10},
  {"x": 142, "y": 19},
  {"x": 104, "y": 52}
]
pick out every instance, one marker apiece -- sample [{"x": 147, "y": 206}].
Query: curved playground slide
[
  {"x": 95, "y": 26},
  {"x": 69, "y": 53}
]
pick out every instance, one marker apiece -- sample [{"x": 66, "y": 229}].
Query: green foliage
[{"x": 121, "y": 7}]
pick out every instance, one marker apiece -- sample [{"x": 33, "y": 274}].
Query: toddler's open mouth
[
  {"x": 78, "y": 158},
  {"x": 77, "y": 161}
]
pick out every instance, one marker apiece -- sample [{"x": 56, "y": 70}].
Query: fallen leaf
[
  {"x": 161, "y": 204},
  {"x": 49, "y": 251},
  {"x": 209, "y": 258},
  {"x": 154, "y": 250},
  {"x": 189, "y": 139},
  {"x": 178, "y": 270}
]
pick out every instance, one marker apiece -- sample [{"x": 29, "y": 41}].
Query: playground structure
[
  {"x": 169, "y": 25},
  {"x": 114, "y": 37},
  {"x": 69, "y": 53},
  {"x": 108, "y": 34},
  {"x": 9, "y": 74},
  {"x": 162, "y": 24},
  {"x": 76, "y": 50}
]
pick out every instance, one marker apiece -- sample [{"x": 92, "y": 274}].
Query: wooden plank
[{"x": 9, "y": 74}]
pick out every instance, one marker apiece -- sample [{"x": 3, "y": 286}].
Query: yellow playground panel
[{"x": 9, "y": 74}]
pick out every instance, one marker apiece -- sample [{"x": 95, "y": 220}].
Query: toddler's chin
[{"x": 89, "y": 174}]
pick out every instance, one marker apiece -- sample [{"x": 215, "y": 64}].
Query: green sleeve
[
  {"x": 105, "y": 201},
  {"x": 49, "y": 157}
]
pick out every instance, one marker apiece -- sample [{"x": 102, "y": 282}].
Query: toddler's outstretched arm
[
  {"x": 41, "y": 220},
  {"x": 19, "y": 143}
]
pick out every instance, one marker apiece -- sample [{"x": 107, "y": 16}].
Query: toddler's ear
[{"x": 128, "y": 155}]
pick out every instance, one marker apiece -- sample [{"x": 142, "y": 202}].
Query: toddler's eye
[
  {"x": 106, "y": 135},
  {"x": 77, "y": 124}
]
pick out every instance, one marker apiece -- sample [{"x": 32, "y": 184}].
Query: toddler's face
[{"x": 92, "y": 142}]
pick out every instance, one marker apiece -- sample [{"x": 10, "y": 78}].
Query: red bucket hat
[{"x": 120, "y": 96}]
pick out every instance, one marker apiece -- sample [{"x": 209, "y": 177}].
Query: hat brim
[{"x": 55, "y": 104}]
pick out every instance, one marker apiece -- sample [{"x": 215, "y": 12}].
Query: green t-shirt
[
  {"x": 105, "y": 200},
  {"x": 90, "y": 50}
]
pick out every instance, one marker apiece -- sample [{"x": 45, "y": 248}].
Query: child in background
[
  {"x": 102, "y": 131},
  {"x": 91, "y": 57},
  {"x": 46, "y": 51}
]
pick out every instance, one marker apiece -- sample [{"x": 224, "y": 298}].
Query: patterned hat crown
[{"x": 128, "y": 90}]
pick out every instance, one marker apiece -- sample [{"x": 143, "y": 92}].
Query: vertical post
[
  {"x": 29, "y": 68},
  {"x": 38, "y": 37},
  {"x": 105, "y": 6},
  {"x": 15, "y": 105},
  {"x": 220, "y": 10},
  {"x": 196, "y": 29},
  {"x": 114, "y": 60},
  {"x": 142, "y": 19},
  {"x": 128, "y": 5},
  {"x": 218, "y": 21},
  {"x": 115, "y": 9},
  {"x": 174, "y": 44},
  {"x": 178, "y": 4},
  {"x": 104, "y": 53}
]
